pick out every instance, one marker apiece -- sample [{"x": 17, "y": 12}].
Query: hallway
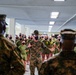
[{"x": 28, "y": 71}]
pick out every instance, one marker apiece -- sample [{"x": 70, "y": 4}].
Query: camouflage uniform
[
  {"x": 23, "y": 52},
  {"x": 56, "y": 44},
  {"x": 35, "y": 55},
  {"x": 65, "y": 62},
  {"x": 18, "y": 42},
  {"x": 45, "y": 51},
  {"x": 10, "y": 63},
  {"x": 62, "y": 64},
  {"x": 47, "y": 43}
]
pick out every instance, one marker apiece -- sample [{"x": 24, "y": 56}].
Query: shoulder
[
  {"x": 8, "y": 44},
  {"x": 46, "y": 65},
  {"x": 39, "y": 41},
  {"x": 31, "y": 41},
  {"x": 51, "y": 60},
  {"x": 42, "y": 68},
  {"x": 43, "y": 41}
]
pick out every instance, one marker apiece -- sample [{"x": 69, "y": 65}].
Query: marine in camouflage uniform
[
  {"x": 18, "y": 42},
  {"x": 45, "y": 51},
  {"x": 55, "y": 44},
  {"x": 65, "y": 62},
  {"x": 22, "y": 48},
  {"x": 35, "y": 53},
  {"x": 47, "y": 43},
  {"x": 10, "y": 63},
  {"x": 23, "y": 54}
]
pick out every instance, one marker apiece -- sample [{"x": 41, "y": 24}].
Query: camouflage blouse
[
  {"x": 35, "y": 49},
  {"x": 62, "y": 64},
  {"x": 10, "y": 62}
]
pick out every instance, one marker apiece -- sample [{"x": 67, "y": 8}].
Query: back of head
[
  {"x": 36, "y": 32},
  {"x": 68, "y": 34},
  {"x": 68, "y": 39},
  {"x": 2, "y": 23}
]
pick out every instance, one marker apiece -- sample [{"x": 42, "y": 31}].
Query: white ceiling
[{"x": 36, "y": 13}]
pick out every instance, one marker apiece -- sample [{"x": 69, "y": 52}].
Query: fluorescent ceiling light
[
  {"x": 59, "y": 0},
  {"x": 50, "y": 26},
  {"x": 54, "y": 14},
  {"x": 51, "y": 22},
  {"x": 49, "y": 29}
]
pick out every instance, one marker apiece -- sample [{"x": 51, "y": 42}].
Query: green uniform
[
  {"x": 10, "y": 63},
  {"x": 62, "y": 64},
  {"x": 23, "y": 52}
]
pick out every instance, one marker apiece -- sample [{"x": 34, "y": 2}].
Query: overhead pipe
[{"x": 66, "y": 22}]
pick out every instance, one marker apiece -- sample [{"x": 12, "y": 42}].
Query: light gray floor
[{"x": 28, "y": 71}]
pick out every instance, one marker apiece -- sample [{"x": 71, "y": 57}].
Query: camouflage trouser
[{"x": 35, "y": 63}]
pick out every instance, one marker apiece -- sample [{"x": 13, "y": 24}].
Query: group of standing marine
[{"x": 13, "y": 57}]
